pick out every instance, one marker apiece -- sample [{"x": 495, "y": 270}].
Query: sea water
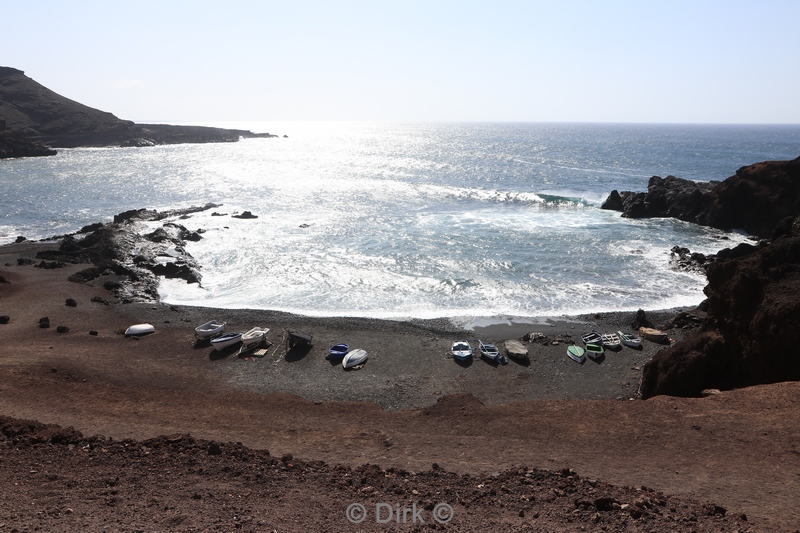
[{"x": 408, "y": 220}]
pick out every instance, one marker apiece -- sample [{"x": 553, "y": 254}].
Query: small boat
[
  {"x": 516, "y": 350},
  {"x": 253, "y": 337},
  {"x": 594, "y": 350},
  {"x": 226, "y": 339},
  {"x": 611, "y": 341},
  {"x": 137, "y": 330},
  {"x": 576, "y": 353},
  {"x": 337, "y": 351},
  {"x": 295, "y": 337},
  {"x": 490, "y": 351},
  {"x": 461, "y": 350},
  {"x": 630, "y": 340},
  {"x": 654, "y": 335},
  {"x": 354, "y": 358},
  {"x": 592, "y": 337},
  {"x": 209, "y": 329}
]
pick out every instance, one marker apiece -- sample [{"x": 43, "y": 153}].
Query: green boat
[
  {"x": 594, "y": 350},
  {"x": 576, "y": 353}
]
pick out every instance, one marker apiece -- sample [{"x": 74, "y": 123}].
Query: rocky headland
[
  {"x": 753, "y": 305},
  {"x": 34, "y": 120},
  {"x": 755, "y": 199}
]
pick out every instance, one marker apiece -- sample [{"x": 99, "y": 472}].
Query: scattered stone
[
  {"x": 62, "y": 329},
  {"x": 4, "y": 280},
  {"x": 44, "y": 322},
  {"x": 48, "y": 265},
  {"x": 23, "y": 261},
  {"x": 20, "y": 239},
  {"x": 245, "y": 214},
  {"x": 71, "y": 303},
  {"x": 100, "y": 300},
  {"x": 4, "y": 319},
  {"x": 214, "y": 448},
  {"x": 94, "y": 333}
]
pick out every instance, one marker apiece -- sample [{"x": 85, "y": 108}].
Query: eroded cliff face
[
  {"x": 751, "y": 333},
  {"x": 755, "y": 199}
]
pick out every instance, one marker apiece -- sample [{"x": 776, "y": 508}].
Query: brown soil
[{"x": 503, "y": 438}]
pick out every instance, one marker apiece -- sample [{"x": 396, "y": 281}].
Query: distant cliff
[{"x": 34, "y": 116}]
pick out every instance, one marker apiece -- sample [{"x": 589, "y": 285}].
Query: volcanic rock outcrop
[
  {"x": 32, "y": 115},
  {"x": 752, "y": 325},
  {"x": 755, "y": 199},
  {"x": 128, "y": 259}
]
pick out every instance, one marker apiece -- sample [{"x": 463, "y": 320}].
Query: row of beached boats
[
  {"x": 595, "y": 346},
  {"x": 597, "y": 343},
  {"x": 462, "y": 351},
  {"x": 214, "y": 332}
]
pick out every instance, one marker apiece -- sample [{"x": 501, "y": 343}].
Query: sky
[{"x": 675, "y": 61}]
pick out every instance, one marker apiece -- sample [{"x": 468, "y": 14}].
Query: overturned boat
[{"x": 354, "y": 358}]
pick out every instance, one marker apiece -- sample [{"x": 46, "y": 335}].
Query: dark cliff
[
  {"x": 750, "y": 334},
  {"x": 33, "y": 114},
  {"x": 753, "y": 292},
  {"x": 755, "y": 199}
]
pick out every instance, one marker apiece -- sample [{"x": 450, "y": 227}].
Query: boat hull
[
  {"x": 138, "y": 330},
  {"x": 654, "y": 335},
  {"x": 338, "y": 351},
  {"x": 576, "y": 353},
  {"x": 227, "y": 340},
  {"x": 209, "y": 329},
  {"x": 254, "y": 337},
  {"x": 354, "y": 358},
  {"x": 461, "y": 350}
]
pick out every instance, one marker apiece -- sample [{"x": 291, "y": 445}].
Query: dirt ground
[{"x": 503, "y": 438}]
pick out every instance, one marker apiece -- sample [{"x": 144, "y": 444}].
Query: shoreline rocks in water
[{"x": 131, "y": 259}]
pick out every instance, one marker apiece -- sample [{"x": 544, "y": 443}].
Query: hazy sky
[{"x": 691, "y": 61}]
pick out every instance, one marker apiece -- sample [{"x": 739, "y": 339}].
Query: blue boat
[{"x": 337, "y": 351}]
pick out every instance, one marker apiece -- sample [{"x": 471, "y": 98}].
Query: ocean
[{"x": 461, "y": 220}]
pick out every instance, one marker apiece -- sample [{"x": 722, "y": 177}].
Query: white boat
[
  {"x": 226, "y": 339},
  {"x": 611, "y": 341},
  {"x": 630, "y": 340},
  {"x": 209, "y": 329},
  {"x": 137, "y": 330},
  {"x": 253, "y": 337},
  {"x": 354, "y": 358},
  {"x": 490, "y": 351},
  {"x": 461, "y": 350}
]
